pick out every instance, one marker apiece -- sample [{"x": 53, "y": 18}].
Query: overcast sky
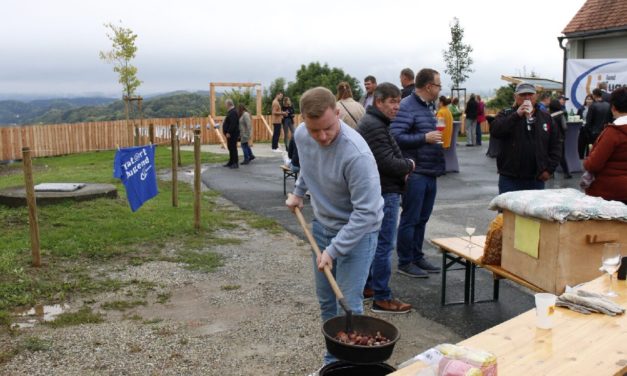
[{"x": 51, "y": 47}]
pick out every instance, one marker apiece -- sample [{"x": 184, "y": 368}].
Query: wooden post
[
  {"x": 218, "y": 133},
  {"x": 141, "y": 115},
  {"x": 175, "y": 183},
  {"x": 32, "y": 207},
  {"x": 259, "y": 104},
  {"x": 212, "y": 100},
  {"x": 126, "y": 111},
  {"x": 197, "y": 179},
  {"x": 151, "y": 133},
  {"x": 178, "y": 145}
]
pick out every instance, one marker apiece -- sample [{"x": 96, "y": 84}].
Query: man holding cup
[
  {"x": 414, "y": 129},
  {"x": 531, "y": 147}
]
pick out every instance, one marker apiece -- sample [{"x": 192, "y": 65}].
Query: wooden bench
[
  {"x": 456, "y": 251},
  {"x": 287, "y": 173}
]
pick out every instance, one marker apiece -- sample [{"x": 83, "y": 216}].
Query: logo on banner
[{"x": 591, "y": 79}]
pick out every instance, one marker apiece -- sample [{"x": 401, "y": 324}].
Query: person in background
[
  {"x": 608, "y": 158},
  {"x": 414, "y": 130},
  {"x": 393, "y": 171},
  {"x": 370, "y": 83},
  {"x": 455, "y": 111},
  {"x": 277, "y": 118},
  {"x": 544, "y": 101},
  {"x": 407, "y": 82},
  {"x": 288, "y": 120},
  {"x": 350, "y": 110},
  {"x": 585, "y": 134},
  {"x": 445, "y": 113},
  {"x": 292, "y": 154},
  {"x": 480, "y": 118},
  {"x": 340, "y": 172},
  {"x": 559, "y": 119},
  {"x": 245, "y": 130},
  {"x": 471, "y": 112},
  {"x": 562, "y": 99},
  {"x": 597, "y": 115},
  {"x": 530, "y": 143},
  {"x": 230, "y": 128}
]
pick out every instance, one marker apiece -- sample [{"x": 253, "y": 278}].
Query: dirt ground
[{"x": 256, "y": 315}]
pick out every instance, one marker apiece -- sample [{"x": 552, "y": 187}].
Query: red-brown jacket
[{"x": 608, "y": 162}]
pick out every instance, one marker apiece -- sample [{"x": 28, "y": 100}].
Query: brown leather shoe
[
  {"x": 368, "y": 293},
  {"x": 390, "y": 306}
]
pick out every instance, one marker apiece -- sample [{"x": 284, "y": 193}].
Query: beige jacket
[
  {"x": 349, "y": 107},
  {"x": 277, "y": 114}
]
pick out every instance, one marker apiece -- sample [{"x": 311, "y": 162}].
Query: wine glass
[
  {"x": 470, "y": 230},
  {"x": 440, "y": 126},
  {"x": 611, "y": 263}
]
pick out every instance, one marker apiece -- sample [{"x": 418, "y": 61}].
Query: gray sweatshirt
[{"x": 343, "y": 181}]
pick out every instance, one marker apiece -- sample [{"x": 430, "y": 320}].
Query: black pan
[{"x": 359, "y": 323}]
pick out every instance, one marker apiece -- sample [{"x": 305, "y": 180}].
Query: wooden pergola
[{"x": 212, "y": 100}]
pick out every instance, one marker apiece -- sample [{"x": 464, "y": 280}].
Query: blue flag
[{"x": 135, "y": 166}]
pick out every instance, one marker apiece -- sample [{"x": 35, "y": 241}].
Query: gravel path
[{"x": 256, "y": 315}]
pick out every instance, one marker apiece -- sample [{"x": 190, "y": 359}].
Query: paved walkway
[{"x": 258, "y": 187}]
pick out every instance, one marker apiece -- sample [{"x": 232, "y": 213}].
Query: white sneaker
[
  {"x": 316, "y": 373},
  {"x": 277, "y": 150}
]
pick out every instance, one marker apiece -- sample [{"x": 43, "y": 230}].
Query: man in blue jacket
[{"x": 415, "y": 133}]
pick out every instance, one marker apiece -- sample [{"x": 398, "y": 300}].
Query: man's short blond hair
[{"x": 316, "y": 101}]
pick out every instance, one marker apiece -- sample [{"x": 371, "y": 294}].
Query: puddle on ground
[{"x": 27, "y": 318}]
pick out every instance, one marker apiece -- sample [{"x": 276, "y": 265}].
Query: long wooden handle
[{"x": 316, "y": 250}]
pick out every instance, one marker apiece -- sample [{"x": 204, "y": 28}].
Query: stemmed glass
[
  {"x": 470, "y": 229},
  {"x": 611, "y": 263}
]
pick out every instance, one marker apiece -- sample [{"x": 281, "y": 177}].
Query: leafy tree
[
  {"x": 503, "y": 99},
  {"x": 457, "y": 57},
  {"x": 238, "y": 97},
  {"x": 121, "y": 54},
  {"x": 316, "y": 74}
]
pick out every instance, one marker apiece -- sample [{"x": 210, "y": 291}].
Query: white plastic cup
[{"x": 545, "y": 307}]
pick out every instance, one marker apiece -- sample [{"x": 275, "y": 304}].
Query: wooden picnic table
[{"x": 577, "y": 345}]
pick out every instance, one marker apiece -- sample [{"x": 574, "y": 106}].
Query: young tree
[
  {"x": 120, "y": 56},
  {"x": 457, "y": 57}
]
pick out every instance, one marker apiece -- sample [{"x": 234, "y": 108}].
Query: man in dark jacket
[
  {"x": 393, "y": 170},
  {"x": 230, "y": 128},
  {"x": 471, "y": 111},
  {"x": 598, "y": 115},
  {"x": 530, "y": 143},
  {"x": 407, "y": 81},
  {"x": 415, "y": 133}
]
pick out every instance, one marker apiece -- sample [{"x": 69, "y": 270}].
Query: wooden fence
[{"x": 60, "y": 139}]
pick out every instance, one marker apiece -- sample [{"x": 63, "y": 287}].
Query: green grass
[
  {"x": 123, "y": 305},
  {"x": 79, "y": 240},
  {"x": 36, "y": 344},
  {"x": 82, "y": 316}
]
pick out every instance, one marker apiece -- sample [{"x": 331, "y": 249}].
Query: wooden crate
[{"x": 568, "y": 253}]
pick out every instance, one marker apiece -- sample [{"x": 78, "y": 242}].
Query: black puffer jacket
[
  {"x": 526, "y": 151},
  {"x": 374, "y": 127}
]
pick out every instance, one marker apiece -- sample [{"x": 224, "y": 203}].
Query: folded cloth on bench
[
  {"x": 561, "y": 205},
  {"x": 588, "y": 302}
]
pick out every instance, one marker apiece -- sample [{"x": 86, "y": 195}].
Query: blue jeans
[
  {"x": 381, "y": 268},
  {"x": 248, "y": 153},
  {"x": 417, "y": 206},
  {"x": 471, "y": 132},
  {"x": 507, "y": 184},
  {"x": 478, "y": 139},
  {"x": 350, "y": 272}
]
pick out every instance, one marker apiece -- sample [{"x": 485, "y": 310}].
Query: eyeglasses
[{"x": 438, "y": 85}]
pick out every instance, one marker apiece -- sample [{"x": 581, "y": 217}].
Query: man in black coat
[
  {"x": 598, "y": 115},
  {"x": 393, "y": 171},
  {"x": 230, "y": 128},
  {"x": 531, "y": 147}
]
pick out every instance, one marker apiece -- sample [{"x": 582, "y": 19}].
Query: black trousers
[
  {"x": 276, "y": 133},
  {"x": 231, "y": 144}
]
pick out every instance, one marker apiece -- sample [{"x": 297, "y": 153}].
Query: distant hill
[{"x": 75, "y": 110}]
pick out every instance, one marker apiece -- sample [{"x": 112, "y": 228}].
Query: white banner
[{"x": 585, "y": 75}]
